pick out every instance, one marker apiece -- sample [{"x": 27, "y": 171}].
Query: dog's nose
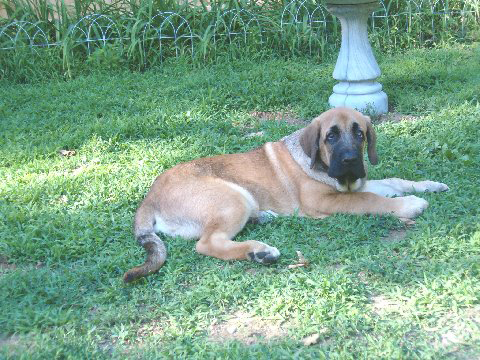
[{"x": 349, "y": 157}]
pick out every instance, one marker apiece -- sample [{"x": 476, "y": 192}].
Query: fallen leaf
[
  {"x": 63, "y": 199},
  {"x": 311, "y": 339},
  {"x": 78, "y": 170},
  {"x": 363, "y": 277},
  {"x": 67, "y": 153},
  {"x": 255, "y": 134},
  {"x": 301, "y": 261},
  {"x": 232, "y": 329},
  {"x": 301, "y": 258},
  {"x": 408, "y": 222}
]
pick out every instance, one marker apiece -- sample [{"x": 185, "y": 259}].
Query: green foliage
[
  {"x": 106, "y": 58},
  {"x": 374, "y": 288},
  {"x": 219, "y": 30}
]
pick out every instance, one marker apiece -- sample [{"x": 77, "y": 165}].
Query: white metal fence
[{"x": 302, "y": 17}]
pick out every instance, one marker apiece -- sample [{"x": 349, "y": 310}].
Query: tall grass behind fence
[{"x": 39, "y": 37}]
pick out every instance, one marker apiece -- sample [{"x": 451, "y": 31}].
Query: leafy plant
[{"x": 147, "y": 32}]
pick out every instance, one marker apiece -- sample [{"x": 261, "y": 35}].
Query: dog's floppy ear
[
  {"x": 372, "y": 143},
  {"x": 309, "y": 142}
]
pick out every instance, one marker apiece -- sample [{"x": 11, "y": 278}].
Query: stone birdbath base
[{"x": 356, "y": 68}]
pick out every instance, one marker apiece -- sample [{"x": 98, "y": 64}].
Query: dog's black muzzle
[{"x": 346, "y": 165}]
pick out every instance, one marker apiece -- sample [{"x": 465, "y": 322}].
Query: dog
[{"x": 315, "y": 172}]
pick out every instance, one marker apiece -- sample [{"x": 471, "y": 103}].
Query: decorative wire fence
[{"x": 301, "y": 26}]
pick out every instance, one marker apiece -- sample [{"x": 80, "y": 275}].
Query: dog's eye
[
  {"x": 360, "y": 134},
  {"x": 331, "y": 136}
]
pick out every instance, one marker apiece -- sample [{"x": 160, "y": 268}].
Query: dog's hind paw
[{"x": 265, "y": 255}]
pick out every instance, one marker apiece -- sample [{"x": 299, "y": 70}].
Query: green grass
[{"x": 65, "y": 222}]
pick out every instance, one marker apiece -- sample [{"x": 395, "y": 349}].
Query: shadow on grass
[
  {"x": 79, "y": 227},
  {"x": 188, "y": 102},
  {"x": 176, "y": 306}
]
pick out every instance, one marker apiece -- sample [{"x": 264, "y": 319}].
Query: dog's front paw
[
  {"x": 264, "y": 254},
  {"x": 411, "y": 206},
  {"x": 431, "y": 186}
]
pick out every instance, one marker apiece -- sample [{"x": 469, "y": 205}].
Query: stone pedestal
[{"x": 356, "y": 68}]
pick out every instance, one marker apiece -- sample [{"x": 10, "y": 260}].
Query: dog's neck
[{"x": 292, "y": 142}]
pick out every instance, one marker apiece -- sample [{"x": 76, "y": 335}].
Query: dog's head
[{"x": 335, "y": 141}]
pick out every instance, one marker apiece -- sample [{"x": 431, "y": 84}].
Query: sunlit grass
[{"x": 65, "y": 221}]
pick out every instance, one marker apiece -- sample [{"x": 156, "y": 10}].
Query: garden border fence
[{"x": 172, "y": 30}]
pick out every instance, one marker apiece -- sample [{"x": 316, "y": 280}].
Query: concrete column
[{"x": 356, "y": 68}]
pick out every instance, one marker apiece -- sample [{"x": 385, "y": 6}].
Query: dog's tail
[{"x": 153, "y": 245}]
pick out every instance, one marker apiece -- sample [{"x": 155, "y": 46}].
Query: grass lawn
[{"x": 374, "y": 289}]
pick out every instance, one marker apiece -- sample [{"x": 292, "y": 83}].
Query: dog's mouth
[
  {"x": 347, "y": 178},
  {"x": 350, "y": 182}
]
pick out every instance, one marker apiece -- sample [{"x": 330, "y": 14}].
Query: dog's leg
[
  {"x": 317, "y": 203},
  {"x": 398, "y": 187},
  {"x": 218, "y": 244},
  {"x": 224, "y": 221}
]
